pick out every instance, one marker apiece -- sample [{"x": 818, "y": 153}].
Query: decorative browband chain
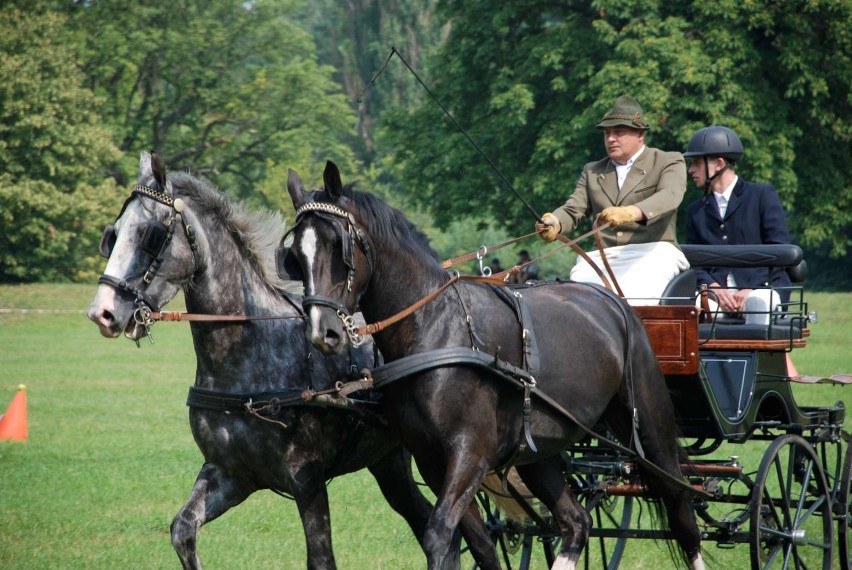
[
  {"x": 324, "y": 207},
  {"x": 161, "y": 197}
]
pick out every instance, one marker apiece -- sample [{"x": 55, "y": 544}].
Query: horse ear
[
  {"x": 331, "y": 179},
  {"x": 295, "y": 188},
  {"x": 158, "y": 167}
]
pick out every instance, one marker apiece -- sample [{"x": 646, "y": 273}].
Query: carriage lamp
[{"x": 812, "y": 317}]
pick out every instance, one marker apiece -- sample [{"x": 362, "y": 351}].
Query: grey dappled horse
[{"x": 178, "y": 232}]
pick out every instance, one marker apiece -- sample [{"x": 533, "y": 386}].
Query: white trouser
[
  {"x": 758, "y": 306},
  {"x": 642, "y": 270}
]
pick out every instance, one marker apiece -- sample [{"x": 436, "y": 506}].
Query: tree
[
  {"x": 228, "y": 88},
  {"x": 529, "y": 79},
  {"x": 53, "y": 153},
  {"x": 357, "y": 40}
]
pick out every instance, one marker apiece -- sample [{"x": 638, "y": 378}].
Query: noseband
[
  {"x": 155, "y": 241},
  {"x": 351, "y": 234}
]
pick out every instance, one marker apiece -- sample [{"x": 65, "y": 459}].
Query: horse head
[
  {"x": 151, "y": 252},
  {"x": 331, "y": 251}
]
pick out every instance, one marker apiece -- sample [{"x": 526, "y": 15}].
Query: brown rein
[
  {"x": 178, "y": 316},
  {"x": 381, "y": 325},
  {"x": 498, "y": 279},
  {"x": 504, "y": 275}
]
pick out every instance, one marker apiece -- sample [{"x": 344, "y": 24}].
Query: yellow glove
[
  {"x": 617, "y": 215},
  {"x": 549, "y": 227}
]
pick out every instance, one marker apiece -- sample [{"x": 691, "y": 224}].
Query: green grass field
[{"x": 110, "y": 458}]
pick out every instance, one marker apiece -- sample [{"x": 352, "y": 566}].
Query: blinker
[
  {"x": 154, "y": 239},
  {"x": 107, "y": 241}
]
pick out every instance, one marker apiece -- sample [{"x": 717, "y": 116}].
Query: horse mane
[
  {"x": 388, "y": 223},
  {"x": 260, "y": 232}
]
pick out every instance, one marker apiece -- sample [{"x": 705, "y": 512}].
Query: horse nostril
[
  {"x": 107, "y": 318},
  {"x": 332, "y": 338}
]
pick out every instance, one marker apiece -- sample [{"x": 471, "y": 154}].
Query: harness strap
[
  {"x": 531, "y": 360},
  {"x": 454, "y": 356},
  {"x": 123, "y": 285},
  {"x": 483, "y": 251},
  {"x": 381, "y": 325},
  {"x": 229, "y": 402},
  {"x": 178, "y": 316},
  {"x": 515, "y": 300}
]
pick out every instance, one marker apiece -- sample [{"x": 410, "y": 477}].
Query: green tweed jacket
[{"x": 656, "y": 184}]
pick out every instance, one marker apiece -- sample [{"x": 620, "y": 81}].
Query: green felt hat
[{"x": 625, "y": 113}]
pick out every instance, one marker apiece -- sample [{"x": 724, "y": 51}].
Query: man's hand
[
  {"x": 617, "y": 215},
  {"x": 549, "y": 227},
  {"x": 730, "y": 300}
]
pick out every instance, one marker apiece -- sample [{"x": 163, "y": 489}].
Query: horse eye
[{"x": 107, "y": 241}]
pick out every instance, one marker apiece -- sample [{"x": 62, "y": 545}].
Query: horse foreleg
[
  {"x": 456, "y": 490},
  {"x": 546, "y": 481},
  {"x": 211, "y": 496},
  {"x": 478, "y": 538},
  {"x": 312, "y": 501},
  {"x": 393, "y": 474}
]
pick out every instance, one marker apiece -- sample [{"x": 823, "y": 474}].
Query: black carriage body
[{"x": 729, "y": 384}]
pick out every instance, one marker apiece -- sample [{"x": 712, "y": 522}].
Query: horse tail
[{"x": 655, "y": 437}]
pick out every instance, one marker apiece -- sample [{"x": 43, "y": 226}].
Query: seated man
[
  {"x": 638, "y": 190},
  {"x": 734, "y": 212}
]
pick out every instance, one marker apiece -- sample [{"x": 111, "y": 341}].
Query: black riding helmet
[{"x": 715, "y": 140}]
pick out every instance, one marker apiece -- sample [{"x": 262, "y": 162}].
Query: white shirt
[
  {"x": 725, "y": 197},
  {"x": 722, "y": 201},
  {"x": 621, "y": 170}
]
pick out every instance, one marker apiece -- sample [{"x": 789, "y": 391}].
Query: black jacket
[{"x": 754, "y": 216}]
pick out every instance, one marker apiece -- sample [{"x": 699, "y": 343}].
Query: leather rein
[
  {"x": 358, "y": 236},
  {"x": 353, "y": 233}
]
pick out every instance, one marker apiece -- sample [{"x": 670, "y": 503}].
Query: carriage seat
[
  {"x": 789, "y": 326},
  {"x": 681, "y": 289},
  {"x": 791, "y": 330}
]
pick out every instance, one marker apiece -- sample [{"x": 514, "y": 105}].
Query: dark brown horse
[
  {"x": 585, "y": 352},
  {"x": 179, "y": 232}
]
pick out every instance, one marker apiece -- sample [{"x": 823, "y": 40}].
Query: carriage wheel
[
  {"x": 842, "y": 509},
  {"x": 790, "y": 509},
  {"x": 610, "y": 513}
]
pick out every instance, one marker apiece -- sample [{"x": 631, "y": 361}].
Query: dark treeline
[{"x": 240, "y": 91}]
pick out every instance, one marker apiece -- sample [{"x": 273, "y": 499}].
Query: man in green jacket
[{"x": 637, "y": 190}]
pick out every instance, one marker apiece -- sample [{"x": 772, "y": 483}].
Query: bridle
[
  {"x": 352, "y": 235},
  {"x": 155, "y": 242}
]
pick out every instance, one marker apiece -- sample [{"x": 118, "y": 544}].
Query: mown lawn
[{"x": 110, "y": 458}]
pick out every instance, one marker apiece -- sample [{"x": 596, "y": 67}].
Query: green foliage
[
  {"x": 53, "y": 154},
  {"x": 356, "y": 39},
  {"x": 530, "y": 79},
  {"x": 228, "y": 88}
]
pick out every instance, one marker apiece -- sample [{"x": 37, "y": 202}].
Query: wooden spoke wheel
[
  {"x": 791, "y": 519},
  {"x": 609, "y": 515},
  {"x": 611, "y": 518}
]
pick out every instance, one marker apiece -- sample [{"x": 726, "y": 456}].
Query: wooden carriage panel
[{"x": 673, "y": 330}]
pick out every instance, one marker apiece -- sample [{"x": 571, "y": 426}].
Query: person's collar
[
  {"x": 728, "y": 190},
  {"x": 631, "y": 160}
]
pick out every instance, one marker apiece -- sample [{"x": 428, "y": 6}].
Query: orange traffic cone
[
  {"x": 13, "y": 424},
  {"x": 791, "y": 368}
]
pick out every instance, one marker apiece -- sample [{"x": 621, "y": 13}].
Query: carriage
[
  {"x": 256, "y": 417},
  {"x": 730, "y": 384}
]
